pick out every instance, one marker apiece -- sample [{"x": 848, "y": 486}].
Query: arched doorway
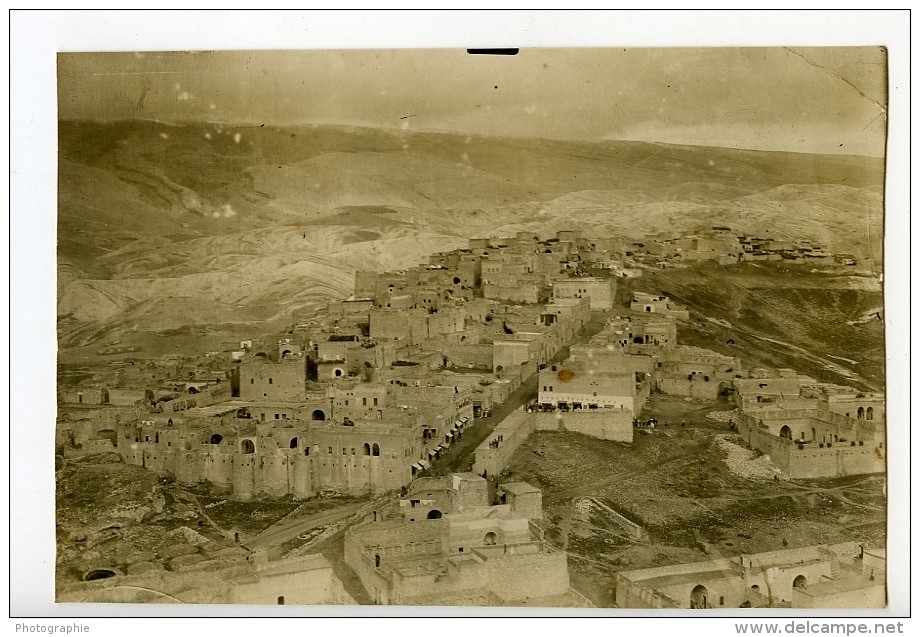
[
  {"x": 785, "y": 432},
  {"x": 216, "y": 438},
  {"x": 800, "y": 582},
  {"x": 193, "y": 390},
  {"x": 490, "y": 539},
  {"x": 318, "y": 414},
  {"x": 104, "y": 396},
  {"x": 375, "y": 450},
  {"x": 699, "y": 597},
  {"x": 285, "y": 353},
  {"x": 870, "y": 413},
  {"x": 434, "y": 514},
  {"x": 860, "y": 413},
  {"x": 247, "y": 446},
  {"x": 293, "y": 444}
]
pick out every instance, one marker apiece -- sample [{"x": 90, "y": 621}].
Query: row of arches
[
  {"x": 865, "y": 414},
  {"x": 248, "y": 446},
  {"x": 700, "y": 596}
]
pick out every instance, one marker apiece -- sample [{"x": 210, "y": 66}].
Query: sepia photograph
[{"x": 567, "y": 328}]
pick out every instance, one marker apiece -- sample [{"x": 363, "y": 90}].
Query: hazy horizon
[
  {"x": 816, "y": 100},
  {"x": 433, "y": 131}
]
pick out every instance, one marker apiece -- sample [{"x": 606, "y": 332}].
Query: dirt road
[
  {"x": 460, "y": 457},
  {"x": 290, "y": 528}
]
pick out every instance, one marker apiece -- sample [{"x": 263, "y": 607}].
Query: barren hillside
[{"x": 203, "y": 231}]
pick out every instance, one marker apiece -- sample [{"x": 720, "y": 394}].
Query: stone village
[{"x": 368, "y": 397}]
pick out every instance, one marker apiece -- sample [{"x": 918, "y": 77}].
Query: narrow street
[{"x": 461, "y": 455}]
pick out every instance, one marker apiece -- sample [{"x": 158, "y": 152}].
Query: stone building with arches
[
  {"x": 303, "y": 458},
  {"x": 446, "y": 540},
  {"x": 815, "y": 443},
  {"x": 842, "y": 575}
]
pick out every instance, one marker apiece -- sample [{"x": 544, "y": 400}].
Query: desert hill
[{"x": 164, "y": 230}]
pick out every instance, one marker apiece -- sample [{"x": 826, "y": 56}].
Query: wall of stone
[
  {"x": 812, "y": 461},
  {"x": 839, "y": 460},
  {"x": 307, "y": 580},
  {"x": 389, "y": 541},
  {"x": 514, "y": 429},
  {"x": 600, "y": 292},
  {"x": 722, "y": 590},
  {"x": 445, "y": 321},
  {"x": 393, "y": 325},
  {"x": 275, "y": 469},
  {"x": 606, "y": 424},
  {"x": 273, "y": 381},
  {"x": 523, "y": 292},
  {"x": 508, "y": 354},
  {"x": 864, "y": 594},
  {"x": 513, "y": 577},
  {"x": 696, "y": 388}
]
